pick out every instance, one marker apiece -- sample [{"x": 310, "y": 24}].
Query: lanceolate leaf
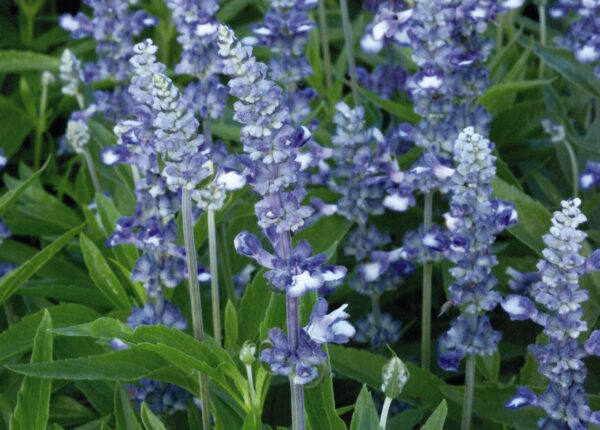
[
  {"x": 10, "y": 283},
  {"x": 33, "y": 401},
  {"x": 150, "y": 421},
  {"x": 12, "y": 61},
  {"x": 124, "y": 415},
  {"x": 12, "y": 195},
  {"x": 438, "y": 418},
  {"x": 365, "y": 415}
]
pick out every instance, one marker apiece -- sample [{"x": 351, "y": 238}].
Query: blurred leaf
[
  {"x": 495, "y": 98},
  {"x": 15, "y": 126},
  {"x": 150, "y": 421},
  {"x": 231, "y": 326},
  {"x": 438, "y": 418},
  {"x": 575, "y": 72},
  {"x": 399, "y": 111},
  {"x": 489, "y": 366},
  {"x": 13, "y": 61},
  {"x": 365, "y": 415},
  {"x": 33, "y": 401},
  {"x": 13, "y": 194},
  {"x": 124, "y": 415},
  {"x": 11, "y": 282},
  {"x": 102, "y": 275}
]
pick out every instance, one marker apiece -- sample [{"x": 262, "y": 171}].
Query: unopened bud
[
  {"x": 394, "y": 376},
  {"x": 247, "y": 353}
]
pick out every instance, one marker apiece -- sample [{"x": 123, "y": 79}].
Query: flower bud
[
  {"x": 247, "y": 353},
  {"x": 394, "y": 377}
]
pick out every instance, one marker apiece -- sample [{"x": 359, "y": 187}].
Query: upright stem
[
  {"x": 284, "y": 251},
  {"x": 224, "y": 257},
  {"x": 324, "y": 31},
  {"x": 426, "y": 300},
  {"x": 251, "y": 385},
  {"x": 376, "y": 310},
  {"x": 92, "y": 170},
  {"x": 349, "y": 41},
  {"x": 194, "y": 292},
  {"x": 297, "y": 391},
  {"x": 385, "y": 410},
  {"x": 574, "y": 168},
  {"x": 542, "y": 16},
  {"x": 40, "y": 126},
  {"x": 214, "y": 276},
  {"x": 469, "y": 393}
]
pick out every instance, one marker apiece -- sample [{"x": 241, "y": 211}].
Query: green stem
[
  {"x": 40, "y": 127},
  {"x": 214, "y": 276},
  {"x": 194, "y": 292},
  {"x": 349, "y": 41},
  {"x": 251, "y": 386},
  {"x": 92, "y": 170},
  {"x": 385, "y": 410},
  {"x": 469, "y": 393},
  {"x": 375, "y": 306},
  {"x": 324, "y": 30},
  {"x": 574, "y": 168},
  {"x": 427, "y": 287},
  {"x": 542, "y": 16},
  {"x": 224, "y": 258}
]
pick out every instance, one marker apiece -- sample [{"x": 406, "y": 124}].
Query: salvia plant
[{"x": 303, "y": 214}]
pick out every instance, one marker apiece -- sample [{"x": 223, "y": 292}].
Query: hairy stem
[
  {"x": 214, "y": 276},
  {"x": 324, "y": 32},
  {"x": 574, "y": 168},
  {"x": 194, "y": 292},
  {"x": 349, "y": 42},
  {"x": 542, "y": 16},
  {"x": 251, "y": 386},
  {"x": 469, "y": 393},
  {"x": 92, "y": 170},
  {"x": 426, "y": 299},
  {"x": 385, "y": 410}
]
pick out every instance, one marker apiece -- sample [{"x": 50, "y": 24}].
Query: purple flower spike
[
  {"x": 593, "y": 262},
  {"x": 332, "y": 327},
  {"x": 524, "y": 397},
  {"x": 519, "y": 308}
]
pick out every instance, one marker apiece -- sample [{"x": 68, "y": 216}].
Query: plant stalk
[
  {"x": 214, "y": 276},
  {"x": 385, "y": 410},
  {"x": 574, "y": 168},
  {"x": 251, "y": 386},
  {"x": 427, "y": 287},
  {"x": 542, "y": 17},
  {"x": 40, "y": 126},
  {"x": 324, "y": 31},
  {"x": 224, "y": 257},
  {"x": 194, "y": 292},
  {"x": 349, "y": 42},
  {"x": 469, "y": 393},
  {"x": 92, "y": 170}
]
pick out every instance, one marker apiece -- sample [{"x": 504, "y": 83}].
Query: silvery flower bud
[
  {"x": 247, "y": 353},
  {"x": 394, "y": 377}
]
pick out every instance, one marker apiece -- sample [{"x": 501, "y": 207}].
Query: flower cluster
[
  {"x": 271, "y": 145},
  {"x": 78, "y": 135},
  {"x": 152, "y": 227},
  {"x": 114, "y": 25},
  {"x": 474, "y": 220},
  {"x": 590, "y": 177},
  {"x": 71, "y": 74},
  {"x": 196, "y": 24},
  {"x": 584, "y": 35},
  {"x": 388, "y": 78},
  {"x": 556, "y": 292}
]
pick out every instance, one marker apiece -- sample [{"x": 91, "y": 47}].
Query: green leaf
[
  {"x": 105, "y": 279},
  {"x": 13, "y": 61},
  {"x": 18, "y": 338},
  {"x": 489, "y": 366},
  {"x": 438, "y": 418},
  {"x": 365, "y": 415},
  {"x": 150, "y": 421},
  {"x": 10, "y": 283},
  {"x": 577, "y": 73},
  {"x": 124, "y": 415},
  {"x": 534, "y": 218},
  {"x": 495, "y": 99},
  {"x": 15, "y": 125},
  {"x": 12, "y": 195},
  {"x": 400, "y": 111},
  {"x": 231, "y": 326},
  {"x": 33, "y": 401}
]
